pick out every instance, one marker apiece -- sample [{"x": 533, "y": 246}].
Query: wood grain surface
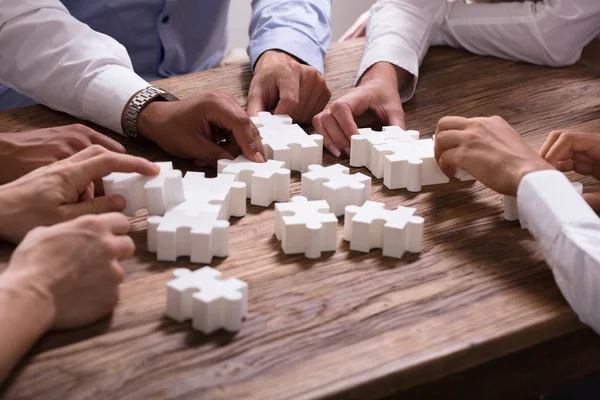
[{"x": 347, "y": 325}]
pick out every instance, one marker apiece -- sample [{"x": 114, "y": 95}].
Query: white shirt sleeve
[
  {"x": 551, "y": 32},
  {"x": 47, "y": 54},
  {"x": 399, "y": 32},
  {"x": 568, "y": 231}
]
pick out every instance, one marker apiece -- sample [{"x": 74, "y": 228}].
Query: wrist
[
  {"x": 25, "y": 299},
  {"x": 386, "y": 73},
  {"x": 152, "y": 120},
  {"x": 530, "y": 167}
]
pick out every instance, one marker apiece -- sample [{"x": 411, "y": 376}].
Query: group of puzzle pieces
[
  {"x": 399, "y": 157},
  {"x": 188, "y": 216}
]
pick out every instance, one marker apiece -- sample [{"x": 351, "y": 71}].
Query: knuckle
[
  {"x": 91, "y": 222},
  {"x": 338, "y": 107},
  {"x": 96, "y": 149}
]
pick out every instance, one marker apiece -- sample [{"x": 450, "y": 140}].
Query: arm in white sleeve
[
  {"x": 551, "y": 32},
  {"x": 568, "y": 231},
  {"x": 47, "y": 54},
  {"x": 399, "y": 32}
]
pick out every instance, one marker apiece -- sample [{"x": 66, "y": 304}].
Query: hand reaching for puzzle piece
[
  {"x": 575, "y": 151},
  {"x": 487, "y": 148},
  {"x": 53, "y": 193}
]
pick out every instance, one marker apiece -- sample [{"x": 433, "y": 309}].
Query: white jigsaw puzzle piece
[
  {"x": 394, "y": 231},
  {"x": 361, "y": 145},
  {"x": 222, "y": 194},
  {"x": 288, "y": 142},
  {"x": 410, "y": 166},
  {"x": 306, "y": 227},
  {"x": 335, "y": 185},
  {"x": 265, "y": 182},
  {"x": 211, "y": 303},
  {"x": 201, "y": 236},
  {"x": 156, "y": 193}
]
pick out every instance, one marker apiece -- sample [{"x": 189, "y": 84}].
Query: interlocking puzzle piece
[
  {"x": 394, "y": 231},
  {"x": 288, "y": 142},
  {"x": 156, "y": 193},
  {"x": 201, "y": 236},
  {"x": 511, "y": 206},
  {"x": 305, "y": 226},
  {"x": 409, "y": 165},
  {"x": 222, "y": 194},
  {"x": 266, "y": 182},
  {"x": 335, "y": 185},
  {"x": 211, "y": 303},
  {"x": 361, "y": 145}
]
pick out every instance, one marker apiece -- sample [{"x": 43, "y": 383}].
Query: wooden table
[{"x": 476, "y": 313}]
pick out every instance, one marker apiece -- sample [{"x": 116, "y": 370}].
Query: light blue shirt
[{"x": 165, "y": 38}]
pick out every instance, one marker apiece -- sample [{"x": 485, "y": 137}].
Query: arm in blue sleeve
[{"x": 301, "y": 28}]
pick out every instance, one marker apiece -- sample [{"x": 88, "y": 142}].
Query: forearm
[
  {"x": 50, "y": 56},
  {"x": 549, "y": 33},
  {"x": 24, "y": 318},
  {"x": 567, "y": 230},
  {"x": 298, "y": 27},
  {"x": 399, "y": 33}
]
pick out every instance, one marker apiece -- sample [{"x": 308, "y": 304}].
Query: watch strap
[{"x": 137, "y": 103}]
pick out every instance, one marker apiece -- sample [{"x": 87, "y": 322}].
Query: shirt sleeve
[
  {"x": 551, "y": 32},
  {"x": 568, "y": 231},
  {"x": 399, "y": 32},
  {"x": 47, "y": 54},
  {"x": 301, "y": 28}
]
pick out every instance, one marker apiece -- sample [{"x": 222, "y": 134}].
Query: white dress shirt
[
  {"x": 568, "y": 231},
  {"x": 50, "y": 56},
  {"x": 550, "y": 32}
]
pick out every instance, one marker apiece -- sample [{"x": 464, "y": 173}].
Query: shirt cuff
[
  {"x": 107, "y": 95},
  {"x": 290, "y": 41},
  {"x": 387, "y": 49},
  {"x": 547, "y": 203}
]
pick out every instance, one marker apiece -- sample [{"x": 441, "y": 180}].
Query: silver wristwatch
[{"x": 137, "y": 103}]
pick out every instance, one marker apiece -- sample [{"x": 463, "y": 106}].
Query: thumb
[
  {"x": 98, "y": 205},
  {"x": 256, "y": 101},
  {"x": 593, "y": 199}
]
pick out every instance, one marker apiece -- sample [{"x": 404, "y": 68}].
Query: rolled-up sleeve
[
  {"x": 301, "y": 28},
  {"x": 47, "y": 54}
]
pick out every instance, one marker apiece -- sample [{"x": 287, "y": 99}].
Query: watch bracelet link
[{"x": 137, "y": 103}]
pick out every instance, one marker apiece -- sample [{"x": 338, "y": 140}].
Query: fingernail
[
  {"x": 334, "y": 150},
  {"x": 259, "y": 157},
  {"x": 347, "y": 151},
  {"x": 117, "y": 202}
]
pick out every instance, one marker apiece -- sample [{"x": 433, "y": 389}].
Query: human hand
[
  {"x": 376, "y": 98},
  {"x": 22, "y": 152},
  {"x": 205, "y": 128},
  {"x": 575, "y": 151},
  {"x": 64, "y": 190},
  {"x": 487, "y": 148},
  {"x": 72, "y": 268},
  {"x": 283, "y": 84}
]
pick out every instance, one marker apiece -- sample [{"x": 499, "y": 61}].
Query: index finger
[
  {"x": 234, "y": 119},
  {"x": 99, "y": 166}
]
